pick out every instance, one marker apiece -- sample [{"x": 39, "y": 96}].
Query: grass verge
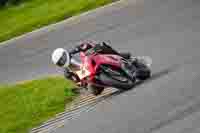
[
  {"x": 33, "y": 14},
  {"x": 25, "y": 105}
]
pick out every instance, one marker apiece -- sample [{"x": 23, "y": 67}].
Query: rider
[{"x": 59, "y": 56}]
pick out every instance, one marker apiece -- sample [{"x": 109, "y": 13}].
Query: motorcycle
[{"x": 96, "y": 71}]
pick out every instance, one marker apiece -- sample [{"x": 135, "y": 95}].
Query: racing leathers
[{"x": 102, "y": 48}]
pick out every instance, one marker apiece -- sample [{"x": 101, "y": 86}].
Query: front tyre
[{"x": 121, "y": 82}]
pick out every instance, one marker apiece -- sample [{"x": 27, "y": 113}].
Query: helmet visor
[{"x": 61, "y": 62}]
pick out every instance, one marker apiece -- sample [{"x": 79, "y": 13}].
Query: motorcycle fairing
[{"x": 91, "y": 63}]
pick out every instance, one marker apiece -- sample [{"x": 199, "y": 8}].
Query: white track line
[{"x": 72, "y": 20}]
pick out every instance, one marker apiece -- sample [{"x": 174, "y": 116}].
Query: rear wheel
[{"x": 143, "y": 73}]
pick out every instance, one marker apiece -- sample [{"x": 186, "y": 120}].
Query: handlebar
[{"x": 74, "y": 51}]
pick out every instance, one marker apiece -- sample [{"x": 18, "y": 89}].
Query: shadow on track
[
  {"x": 155, "y": 76},
  {"x": 179, "y": 114},
  {"x": 68, "y": 115}
]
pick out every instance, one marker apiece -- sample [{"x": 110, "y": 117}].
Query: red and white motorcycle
[{"x": 97, "y": 71}]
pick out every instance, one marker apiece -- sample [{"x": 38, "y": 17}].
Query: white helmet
[{"x": 60, "y": 57}]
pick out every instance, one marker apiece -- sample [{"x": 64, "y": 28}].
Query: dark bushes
[
  {"x": 3, "y": 2},
  {"x": 12, "y": 2}
]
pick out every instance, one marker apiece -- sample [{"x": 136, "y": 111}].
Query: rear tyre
[{"x": 143, "y": 74}]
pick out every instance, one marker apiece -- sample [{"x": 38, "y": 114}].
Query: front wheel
[{"x": 116, "y": 79}]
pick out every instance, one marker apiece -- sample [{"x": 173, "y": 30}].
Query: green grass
[
  {"x": 33, "y": 14},
  {"x": 25, "y": 105}
]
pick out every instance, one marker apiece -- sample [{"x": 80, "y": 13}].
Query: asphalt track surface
[{"x": 166, "y": 30}]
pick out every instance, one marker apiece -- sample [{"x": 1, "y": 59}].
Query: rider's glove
[
  {"x": 74, "y": 51},
  {"x": 85, "y": 46},
  {"x": 82, "y": 47}
]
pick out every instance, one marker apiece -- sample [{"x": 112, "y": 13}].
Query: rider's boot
[
  {"x": 95, "y": 90},
  {"x": 125, "y": 55}
]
